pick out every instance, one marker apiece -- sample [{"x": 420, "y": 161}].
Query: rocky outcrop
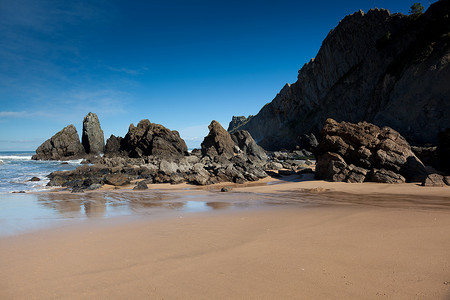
[
  {"x": 152, "y": 139},
  {"x": 112, "y": 147},
  {"x": 364, "y": 152},
  {"x": 92, "y": 138},
  {"x": 218, "y": 142},
  {"x": 237, "y": 121},
  {"x": 369, "y": 68},
  {"x": 64, "y": 145},
  {"x": 247, "y": 144}
]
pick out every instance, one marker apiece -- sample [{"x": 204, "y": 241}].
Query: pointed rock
[
  {"x": 62, "y": 146},
  {"x": 217, "y": 142},
  {"x": 92, "y": 138}
]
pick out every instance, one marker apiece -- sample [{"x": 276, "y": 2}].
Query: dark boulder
[
  {"x": 63, "y": 145},
  {"x": 35, "y": 179},
  {"x": 348, "y": 152},
  {"x": 141, "y": 185},
  {"x": 92, "y": 138},
  {"x": 112, "y": 147},
  {"x": 217, "y": 142},
  {"x": 152, "y": 139}
]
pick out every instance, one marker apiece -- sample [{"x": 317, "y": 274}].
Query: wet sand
[{"x": 310, "y": 240}]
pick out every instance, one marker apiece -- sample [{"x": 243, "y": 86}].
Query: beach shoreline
[{"x": 367, "y": 241}]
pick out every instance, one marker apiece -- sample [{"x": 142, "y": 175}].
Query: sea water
[{"x": 17, "y": 168}]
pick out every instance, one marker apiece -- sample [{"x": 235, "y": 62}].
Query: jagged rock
[
  {"x": 141, "y": 185},
  {"x": 116, "y": 179},
  {"x": 347, "y": 152},
  {"x": 112, "y": 147},
  {"x": 247, "y": 145},
  {"x": 92, "y": 138},
  {"x": 152, "y": 139},
  {"x": 443, "y": 150},
  {"x": 237, "y": 121},
  {"x": 434, "y": 180},
  {"x": 217, "y": 142},
  {"x": 369, "y": 68},
  {"x": 63, "y": 145}
]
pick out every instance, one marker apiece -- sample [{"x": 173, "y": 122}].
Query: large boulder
[
  {"x": 63, "y": 145},
  {"x": 247, "y": 144},
  {"x": 218, "y": 142},
  {"x": 364, "y": 152},
  {"x": 152, "y": 139},
  {"x": 92, "y": 138}
]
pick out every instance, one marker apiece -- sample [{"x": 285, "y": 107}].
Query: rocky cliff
[{"x": 388, "y": 69}]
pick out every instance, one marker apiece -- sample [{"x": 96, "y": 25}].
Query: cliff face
[{"x": 388, "y": 69}]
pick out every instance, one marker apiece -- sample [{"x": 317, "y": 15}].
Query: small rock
[
  {"x": 226, "y": 189},
  {"x": 19, "y": 192},
  {"x": 141, "y": 185},
  {"x": 116, "y": 179},
  {"x": 35, "y": 179},
  {"x": 77, "y": 189},
  {"x": 94, "y": 186},
  {"x": 64, "y": 163}
]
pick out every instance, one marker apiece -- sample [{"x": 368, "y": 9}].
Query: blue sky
[{"x": 177, "y": 63}]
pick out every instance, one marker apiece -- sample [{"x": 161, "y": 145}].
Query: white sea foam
[{"x": 14, "y": 157}]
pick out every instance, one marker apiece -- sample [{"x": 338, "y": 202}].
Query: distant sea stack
[
  {"x": 63, "y": 145},
  {"x": 92, "y": 139},
  {"x": 386, "y": 69}
]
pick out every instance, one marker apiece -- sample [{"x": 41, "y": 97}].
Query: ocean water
[{"x": 17, "y": 168}]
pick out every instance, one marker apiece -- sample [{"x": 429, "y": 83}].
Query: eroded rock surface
[
  {"x": 365, "y": 152},
  {"x": 64, "y": 145},
  {"x": 92, "y": 138}
]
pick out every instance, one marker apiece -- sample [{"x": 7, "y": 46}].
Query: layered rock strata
[{"x": 365, "y": 152}]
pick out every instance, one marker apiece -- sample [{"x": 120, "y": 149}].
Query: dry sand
[{"x": 377, "y": 242}]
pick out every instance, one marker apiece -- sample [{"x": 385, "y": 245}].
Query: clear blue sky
[{"x": 177, "y": 63}]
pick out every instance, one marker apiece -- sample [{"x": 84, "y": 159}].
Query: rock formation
[
  {"x": 63, "y": 145},
  {"x": 218, "y": 142},
  {"x": 112, "y": 147},
  {"x": 364, "y": 152},
  {"x": 387, "y": 69},
  {"x": 92, "y": 138},
  {"x": 247, "y": 144},
  {"x": 237, "y": 121},
  {"x": 152, "y": 139}
]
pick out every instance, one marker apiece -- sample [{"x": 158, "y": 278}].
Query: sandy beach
[{"x": 348, "y": 241}]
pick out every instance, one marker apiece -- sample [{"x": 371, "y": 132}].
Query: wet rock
[
  {"x": 35, "y": 179},
  {"x": 63, "y": 145},
  {"x": 116, "y": 179},
  {"x": 226, "y": 189},
  {"x": 141, "y": 185},
  {"x": 92, "y": 138},
  {"x": 77, "y": 189},
  {"x": 347, "y": 152},
  {"x": 94, "y": 186},
  {"x": 56, "y": 181}
]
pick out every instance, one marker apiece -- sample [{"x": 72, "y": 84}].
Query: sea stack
[
  {"x": 63, "y": 145},
  {"x": 92, "y": 139}
]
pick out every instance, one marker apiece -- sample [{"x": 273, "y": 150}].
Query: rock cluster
[
  {"x": 63, "y": 145},
  {"x": 221, "y": 159},
  {"x": 92, "y": 138},
  {"x": 369, "y": 68},
  {"x": 364, "y": 152}
]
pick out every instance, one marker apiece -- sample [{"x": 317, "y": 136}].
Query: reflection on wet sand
[{"x": 218, "y": 205}]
